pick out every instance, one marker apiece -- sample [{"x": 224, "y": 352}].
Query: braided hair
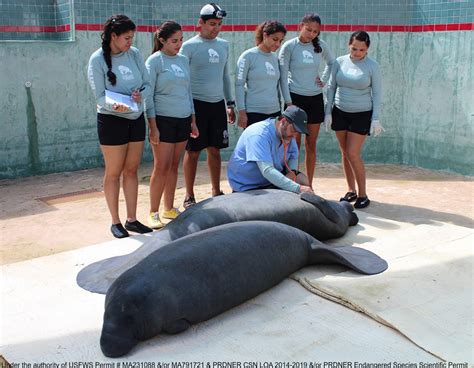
[
  {"x": 117, "y": 24},
  {"x": 309, "y": 18},
  {"x": 268, "y": 27}
]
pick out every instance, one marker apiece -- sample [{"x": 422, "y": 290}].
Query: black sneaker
[
  {"x": 137, "y": 227},
  {"x": 362, "y": 202},
  {"x": 118, "y": 231},
  {"x": 349, "y": 197}
]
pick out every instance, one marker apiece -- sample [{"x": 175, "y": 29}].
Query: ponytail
[
  {"x": 268, "y": 27},
  {"x": 316, "y": 45},
  {"x": 259, "y": 33},
  {"x": 313, "y": 17},
  {"x": 157, "y": 45},
  {"x": 166, "y": 30}
]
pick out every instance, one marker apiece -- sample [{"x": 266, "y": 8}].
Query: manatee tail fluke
[
  {"x": 97, "y": 277},
  {"x": 357, "y": 259}
]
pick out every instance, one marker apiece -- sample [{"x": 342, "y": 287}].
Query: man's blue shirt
[{"x": 259, "y": 142}]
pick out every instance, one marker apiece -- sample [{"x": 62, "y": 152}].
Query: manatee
[
  {"x": 201, "y": 275},
  {"x": 318, "y": 217}
]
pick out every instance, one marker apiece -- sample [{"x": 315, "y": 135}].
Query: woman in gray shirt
[
  {"x": 257, "y": 78},
  {"x": 170, "y": 113},
  {"x": 355, "y": 89},
  {"x": 300, "y": 61},
  {"x": 118, "y": 67}
]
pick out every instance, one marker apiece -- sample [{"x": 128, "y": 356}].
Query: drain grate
[{"x": 71, "y": 197}]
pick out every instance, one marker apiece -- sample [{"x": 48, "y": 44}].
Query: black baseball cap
[
  {"x": 212, "y": 11},
  {"x": 297, "y": 117}
]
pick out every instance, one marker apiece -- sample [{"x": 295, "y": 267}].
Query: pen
[{"x": 141, "y": 89}]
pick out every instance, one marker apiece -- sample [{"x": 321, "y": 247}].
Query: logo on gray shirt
[
  {"x": 213, "y": 56},
  {"x": 177, "y": 71},
  {"x": 270, "y": 68},
  {"x": 307, "y": 57},
  {"x": 126, "y": 72}
]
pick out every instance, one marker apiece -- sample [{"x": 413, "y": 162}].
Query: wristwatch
[{"x": 230, "y": 103}]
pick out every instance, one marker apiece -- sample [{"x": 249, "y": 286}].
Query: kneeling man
[{"x": 266, "y": 155}]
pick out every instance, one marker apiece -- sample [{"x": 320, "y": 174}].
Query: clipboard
[{"x": 112, "y": 98}]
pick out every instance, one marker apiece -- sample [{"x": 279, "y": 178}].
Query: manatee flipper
[
  {"x": 322, "y": 205},
  {"x": 357, "y": 259},
  {"x": 177, "y": 326}
]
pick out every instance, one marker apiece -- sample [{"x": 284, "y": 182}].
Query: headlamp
[
  {"x": 220, "y": 14},
  {"x": 212, "y": 10}
]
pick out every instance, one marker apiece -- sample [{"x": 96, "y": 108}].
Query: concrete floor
[{"x": 49, "y": 214}]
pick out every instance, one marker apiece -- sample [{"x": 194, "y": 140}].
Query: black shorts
[
  {"x": 255, "y": 117},
  {"x": 355, "y": 122},
  {"x": 173, "y": 130},
  {"x": 114, "y": 130},
  {"x": 211, "y": 120},
  {"x": 312, "y": 105}
]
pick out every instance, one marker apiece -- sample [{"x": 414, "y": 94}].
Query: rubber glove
[
  {"x": 376, "y": 128},
  {"x": 328, "y": 122}
]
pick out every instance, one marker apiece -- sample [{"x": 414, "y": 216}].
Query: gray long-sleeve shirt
[
  {"x": 299, "y": 68},
  {"x": 257, "y": 82},
  {"x": 131, "y": 74},
  {"x": 355, "y": 86},
  {"x": 171, "y": 83},
  {"x": 277, "y": 178},
  {"x": 210, "y": 80}
]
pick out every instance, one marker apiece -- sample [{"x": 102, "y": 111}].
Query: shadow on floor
[{"x": 417, "y": 215}]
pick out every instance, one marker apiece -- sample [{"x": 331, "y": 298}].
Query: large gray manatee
[
  {"x": 314, "y": 215},
  {"x": 201, "y": 275}
]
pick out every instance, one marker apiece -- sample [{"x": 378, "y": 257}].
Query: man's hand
[{"x": 305, "y": 189}]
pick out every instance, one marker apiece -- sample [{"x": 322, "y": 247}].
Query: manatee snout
[
  {"x": 353, "y": 218},
  {"x": 116, "y": 339}
]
